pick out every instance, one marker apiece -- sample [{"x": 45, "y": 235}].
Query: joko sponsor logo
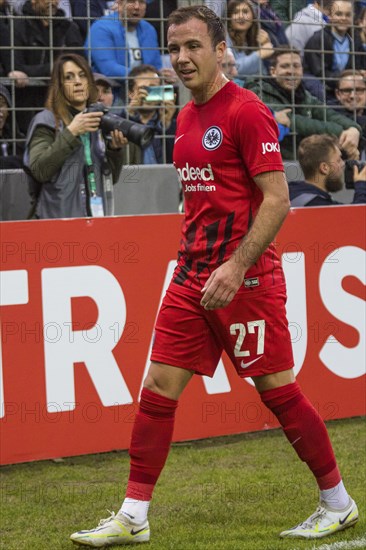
[
  {"x": 195, "y": 173},
  {"x": 270, "y": 148}
]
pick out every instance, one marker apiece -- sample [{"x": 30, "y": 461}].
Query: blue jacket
[{"x": 109, "y": 32}]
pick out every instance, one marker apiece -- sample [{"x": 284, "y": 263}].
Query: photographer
[
  {"x": 323, "y": 166},
  {"x": 157, "y": 115},
  {"x": 68, "y": 159}
]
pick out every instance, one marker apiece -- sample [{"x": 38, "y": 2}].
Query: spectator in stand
[
  {"x": 361, "y": 28},
  {"x": 284, "y": 89},
  {"x": 120, "y": 41},
  {"x": 157, "y": 115},
  {"x": 64, "y": 5},
  {"x": 306, "y": 22},
  {"x": 66, "y": 153},
  {"x": 230, "y": 70},
  {"x": 323, "y": 167},
  {"x": 229, "y": 65},
  {"x": 19, "y": 77},
  {"x": 351, "y": 102},
  {"x": 359, "y": 5},
  {"x": 85, "y": 13},
  {"x": 332, "y": 49},
  {"x": 5, "y": 13},
  {"x": 270, "y": 22},
  {"x": 9, "y": 158},
  {"x": 105, "y": 89},
  {"x": 250, "y": 44},
  {"x": 157, "y": 12},
  {"x": 43, "y": 25},
  {"x": 286, "y": 9}
]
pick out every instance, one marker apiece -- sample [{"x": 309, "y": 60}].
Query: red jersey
[{"x": 219, "y": 147}]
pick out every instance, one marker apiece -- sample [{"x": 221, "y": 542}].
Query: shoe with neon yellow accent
[
  {"x": 324, "y": 522},
  {"x": 112, "y": 531}
]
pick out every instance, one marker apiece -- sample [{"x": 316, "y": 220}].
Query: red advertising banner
[{"x": 78, "y": 304}]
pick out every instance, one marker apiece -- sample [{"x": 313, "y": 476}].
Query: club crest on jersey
[{"x": 212, "y": 138}]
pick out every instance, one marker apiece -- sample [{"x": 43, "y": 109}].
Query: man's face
[
  {"x": 4, "y": 111},
  {"x": 45, "y": 7},
  {"x": 131, "y": 10},
  {"x": 288, "y": 71},
  {"x": 105, "y": 94},
  {"x": 341, "y": 16},
  {"x": 193, "y": 57},
  {"x": 352, "y": 93},
  {"x": 75, "y": 85},
  {"x": 335, "y": 179},
  {"x": 229, "y": 65},
  {"x": 141, "y": 82}
]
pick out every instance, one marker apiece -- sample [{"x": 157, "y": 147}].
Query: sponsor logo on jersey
[
  {"x": 270, "y": 148},
  {"x": 196, "y": 173},
  {"x": 193, "y": 173},
  {"x": 212, "y": 138}
]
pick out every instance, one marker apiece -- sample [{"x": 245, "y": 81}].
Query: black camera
[
  {"x": 348, "y": 172},
  {"x": 136, "y": 133}
]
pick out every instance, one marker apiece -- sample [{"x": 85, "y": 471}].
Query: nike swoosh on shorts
[{"x": 246, "y": 365}]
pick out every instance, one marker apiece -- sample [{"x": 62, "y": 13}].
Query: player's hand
[
  {"x": 85, "y": 122},
  {"x": 117, "y": 140},
  {"x": 222, "y": 285}
]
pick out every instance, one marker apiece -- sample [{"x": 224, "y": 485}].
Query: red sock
[
  {"x": 305, "y": 430},
  {"x": 150, "y": 443}
]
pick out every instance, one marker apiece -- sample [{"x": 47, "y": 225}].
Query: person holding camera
[
  {"x": 148, "y": 104},
  {"x": 323, "y": 167},
  {"x": 71, "y": 164}
]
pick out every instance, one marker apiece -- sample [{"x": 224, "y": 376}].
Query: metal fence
[{"x": 18, "y": 112}]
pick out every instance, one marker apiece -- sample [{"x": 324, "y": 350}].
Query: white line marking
[{"x": 344, "y": 545}]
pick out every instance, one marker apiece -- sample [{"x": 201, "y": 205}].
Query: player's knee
[{"x": 166, "y": 380}]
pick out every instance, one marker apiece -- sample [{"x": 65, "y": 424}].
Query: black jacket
[
  {"x": 33, "y": 56},
  {"x": 313, "y": 60},
  {"x": 4, "y": 39},
  {"x": 307, "y": 194}
]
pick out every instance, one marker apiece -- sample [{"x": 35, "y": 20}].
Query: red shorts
[{"x": 252, "y": 329}]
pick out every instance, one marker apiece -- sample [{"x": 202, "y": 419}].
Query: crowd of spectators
[{"x": 306, "y": 60}]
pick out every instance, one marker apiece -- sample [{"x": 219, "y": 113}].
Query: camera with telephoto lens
[
  {"x": 139, "y": 134},
  {"x": 348, "y": 172}
]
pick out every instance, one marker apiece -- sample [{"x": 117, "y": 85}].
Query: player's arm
[{"x": 225, "y": 281}]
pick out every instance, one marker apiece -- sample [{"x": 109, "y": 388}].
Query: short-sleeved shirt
[{"x": 220, "y": 146}]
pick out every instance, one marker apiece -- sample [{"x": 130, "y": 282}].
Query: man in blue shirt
[
  {"x": 332, "y": 50},
  {"x": 122, "y": 40}
]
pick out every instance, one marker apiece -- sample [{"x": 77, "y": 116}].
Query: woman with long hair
[
  {"x": 249, "y": 43},
  {"x": 66, "y": 154}
]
